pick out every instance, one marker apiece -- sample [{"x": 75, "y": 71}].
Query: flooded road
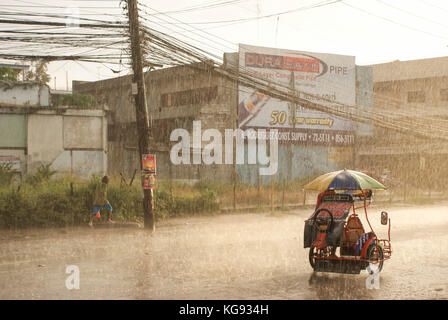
[{"x": 241, "y": 256}]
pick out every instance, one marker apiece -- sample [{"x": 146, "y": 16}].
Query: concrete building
[
  {"x": 180, "y": 95},
  {"x": 411, "y": 89},
  {"x": 33, "y": 133}
]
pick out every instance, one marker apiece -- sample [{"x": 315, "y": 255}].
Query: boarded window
[
  {"x": 13, "y": 131},
  {"x": 383, "y": 88},
  {"x": 416, "y": 96},
  {"x": 444, "y": 94},
  {"x": 189, "y": 97}
]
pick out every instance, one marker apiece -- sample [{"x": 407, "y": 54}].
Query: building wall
[
  {"x": 83, "y": 132},
  {"x": 175, "y": 97},
  {"x": 298, "y": 162},
  {"x": 73, "y": 143},
  {"x": 24, "y": 94},
  {"x": 416, "y": 88},
  {"x": 364, "y": 97},
  {"x": 401, "y": 95},
  {"x": 178, "y": 96},
  {"x": 44, "y": 139},
  {"x": 411, "y": 69},
  {"x": 13, "y": 131},
  {"x": 80, "y": 163}
]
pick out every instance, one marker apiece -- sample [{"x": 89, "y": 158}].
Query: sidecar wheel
[
  {"x": 375, "y": 255},
  {"x": 311, "y": 258}
]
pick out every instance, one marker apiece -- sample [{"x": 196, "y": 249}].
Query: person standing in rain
[{"x": 101, "y": 202}]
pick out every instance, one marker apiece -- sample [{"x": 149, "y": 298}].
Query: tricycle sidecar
[{"x": 335, "y": 224}]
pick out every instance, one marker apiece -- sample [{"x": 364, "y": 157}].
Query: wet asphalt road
[{"x": 241, "y": 256}]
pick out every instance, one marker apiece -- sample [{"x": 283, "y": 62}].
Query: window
[
  {"x": 444, "y": 94},
  {"x": 416, "y": 96},
  {"x": 187, "y": 97}
]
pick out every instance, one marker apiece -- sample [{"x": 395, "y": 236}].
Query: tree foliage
[
  {"x": 8, "y": 74},
  {"x": 38, "y": 72},
  {"x": 83, "y": 101}
]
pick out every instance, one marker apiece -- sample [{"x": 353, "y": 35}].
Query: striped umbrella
[{"x": 344, "y": 180}]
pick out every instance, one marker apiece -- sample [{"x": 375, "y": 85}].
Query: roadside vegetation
[
  {"x": 45, "y": 200},
  {"x": 78, "y": 100}
]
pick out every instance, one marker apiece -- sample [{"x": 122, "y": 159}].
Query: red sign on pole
[
  {"x": 148, "y": 181},
  {"x": 149, "y": 163}
]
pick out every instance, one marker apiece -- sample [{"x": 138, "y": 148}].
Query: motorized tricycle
[{"x": 336, "y": 224}]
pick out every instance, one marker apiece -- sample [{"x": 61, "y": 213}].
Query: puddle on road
[{"x": 248, "y": 256}]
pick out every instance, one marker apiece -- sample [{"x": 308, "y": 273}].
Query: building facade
[
  {"x": 416, "y": 89},
  {"x": 178, "y": 96},
  {"x": 33, "y": 133}
]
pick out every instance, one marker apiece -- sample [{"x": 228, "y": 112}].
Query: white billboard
[{"x": 317, "y": 77}]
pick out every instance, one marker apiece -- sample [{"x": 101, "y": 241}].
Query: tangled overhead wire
[{"x": 105, "y": 39}]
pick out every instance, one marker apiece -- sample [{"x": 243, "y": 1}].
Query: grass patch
[
  {"x": 65, "y": 202},
  {"x": 48, "y": 200}
]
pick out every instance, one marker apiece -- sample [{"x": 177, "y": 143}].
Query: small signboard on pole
[
  {"x": 148, "y": 171},
  {"x": 149, "y": 163}
]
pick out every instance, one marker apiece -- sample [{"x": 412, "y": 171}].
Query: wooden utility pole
[{"x": 141, "y": 110}]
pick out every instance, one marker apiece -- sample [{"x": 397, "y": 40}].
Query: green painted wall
[{"x": 12, "y": 131}]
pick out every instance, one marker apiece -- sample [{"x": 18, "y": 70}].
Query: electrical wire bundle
[{"x": 167, "y": 41}]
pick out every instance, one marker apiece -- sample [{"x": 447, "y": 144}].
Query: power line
[
  {"x": 322, "y": 4},
  {"x": 212, "y": 5},
  {"x": 392, "y": 21},
  {"x": 412, "y": 14},
  {"x": 63, "y": 24},
  {"x": 434, "y": 6},
  {"x": 164, "y": 49}
]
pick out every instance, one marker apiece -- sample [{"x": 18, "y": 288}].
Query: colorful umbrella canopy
[{"x": 344, "y": 180}]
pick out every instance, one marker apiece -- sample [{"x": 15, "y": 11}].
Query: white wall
[
  {"x": 73, "y": 142},
  {"x": 83, "y": 132},
  {"x": 44, "y": 139},
  {"x": 24, "y": 94},
  {"x": 80, "y": 163}
]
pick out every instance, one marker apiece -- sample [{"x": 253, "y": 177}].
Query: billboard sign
[{"x": 317, "y": 77}]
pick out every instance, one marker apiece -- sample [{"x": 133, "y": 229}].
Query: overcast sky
[{"x": 374, "y": 31}]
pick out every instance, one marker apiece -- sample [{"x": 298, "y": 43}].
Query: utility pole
[{"x": 141, "y": 109}]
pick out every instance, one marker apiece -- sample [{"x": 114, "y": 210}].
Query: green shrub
[
  {"x": 169, "y": 205},
  {"x": 42, "y": 175},
  {"x": 6, "y": 174},
  {"x": 64, "y": 202},
  {"x": 82, "y": 101}
]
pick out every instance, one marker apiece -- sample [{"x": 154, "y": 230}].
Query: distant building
[
  {"x": 178, "y": 96},
  {"x": 410, "y": 90}
]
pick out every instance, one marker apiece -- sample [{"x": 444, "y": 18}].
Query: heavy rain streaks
[
  {"x": 248, "y": 256},
  {"x": 230, "y": 210}
]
